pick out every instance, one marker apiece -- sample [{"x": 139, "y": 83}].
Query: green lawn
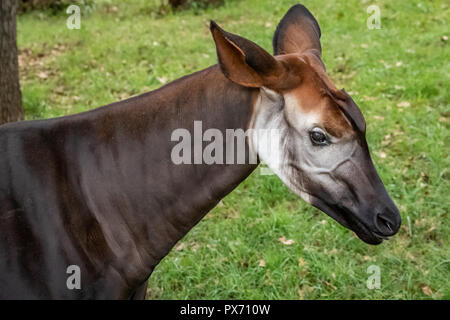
[{"x": 399, "y": 76}]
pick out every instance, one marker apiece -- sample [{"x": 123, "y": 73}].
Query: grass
[{"x": 399, "y": 76}]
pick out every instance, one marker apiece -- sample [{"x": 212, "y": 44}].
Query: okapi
[{"x": 98, "y": 190}]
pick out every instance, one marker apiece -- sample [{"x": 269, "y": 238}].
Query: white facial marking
[
  {"x": 268, "y": 128},
  {"x": 281, "y": 137}
]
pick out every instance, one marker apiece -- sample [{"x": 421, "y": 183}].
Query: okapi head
[{"x": 320, "y": 151}]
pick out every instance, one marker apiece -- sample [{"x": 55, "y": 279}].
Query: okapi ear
[
  {"x": 243, "y": 61},
  {"x": 297, "y": 32}
]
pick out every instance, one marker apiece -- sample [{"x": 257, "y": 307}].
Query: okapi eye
[{"x": 318, "y": 137}]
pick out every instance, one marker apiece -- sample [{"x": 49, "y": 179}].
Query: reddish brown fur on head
[
  {"x": 316, "y": 93},
  {"x": 299, "y": 73}
]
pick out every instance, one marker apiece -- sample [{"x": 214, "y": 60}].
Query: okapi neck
[{"x": 159, "y": 201}]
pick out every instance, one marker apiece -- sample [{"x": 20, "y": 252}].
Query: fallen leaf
[
  {"x": 403, "y": 104},
  {"x": 262, "y": 263},
  {"x": 334, "y": 251},
  {"x": 410, "y": 256},
  {"x": 43, "y": 75},
  {"x": 180, "y": 246},
  {"x": 427, "y": 290},
  {"x": 304, "y": 289},
  {"x": 301, "y": 262},
  {"x": 285, "y": 241},
  {"x": 113, "y": 9},
  {"x": 163, "y": 80},
  {"x": 331, "y": 285},
  {"x": 387, "y": 140}
]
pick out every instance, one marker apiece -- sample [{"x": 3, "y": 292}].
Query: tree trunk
[{"x": 10, "y": 95}]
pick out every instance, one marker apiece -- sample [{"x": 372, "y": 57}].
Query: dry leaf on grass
[
  {"x": 180, "y": 246},
  {"x": 162, "y": 80},
  {"x": 285, "y": 241},
  {"x": 43, "y": 75},
  {"x": 301, "y": 262},
  {"x": 304, "y": 290},
  {"x": 427, "y": 290},
  {"x": 403, "y": 104}
]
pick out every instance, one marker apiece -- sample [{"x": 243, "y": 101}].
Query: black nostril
[
  {"x": 389, "y": 226},
  {"x": 384, "y": 225}
]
